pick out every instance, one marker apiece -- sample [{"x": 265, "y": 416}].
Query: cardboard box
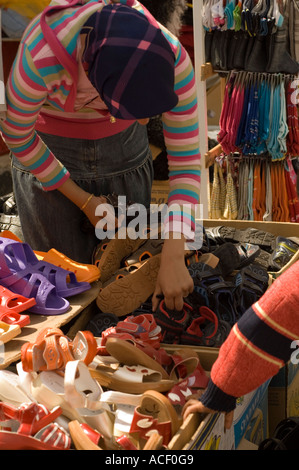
[
  {"x": 283, "y": 395},
  {"x": 207, "y": 433},
  {"x": 258, "y": 427}
]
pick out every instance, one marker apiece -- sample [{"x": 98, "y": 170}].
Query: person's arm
[
  {"x": 259, "y": 344},
  {"x": 26, "y": 92},
  {"x": 181, "y": 138}
]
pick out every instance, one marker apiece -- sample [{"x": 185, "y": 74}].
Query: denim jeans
[{"x": 120, "y": 164}]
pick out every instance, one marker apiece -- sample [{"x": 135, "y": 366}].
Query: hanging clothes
[{"x": 259, "y": 115}]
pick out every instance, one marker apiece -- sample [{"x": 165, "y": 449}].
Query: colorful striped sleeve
[
  {"x": 259, "y": 344},
  {"x": 181, "y": 136},
  {"x": 26, "y": 92}
]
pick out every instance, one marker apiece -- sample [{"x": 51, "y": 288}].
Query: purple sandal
[
  {"x": 23, "y": 279},
  {"x": 19, "y": 256}
]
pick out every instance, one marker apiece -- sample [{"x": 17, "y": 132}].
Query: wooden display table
[{"x": 78, "y": 304}]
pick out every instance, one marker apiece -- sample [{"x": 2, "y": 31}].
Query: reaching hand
[{"x": 195, "y": 406}]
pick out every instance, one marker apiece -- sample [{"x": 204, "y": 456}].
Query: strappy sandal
[
  {"x": 172, "y": 322},
  {"x": 52, "y": 350},
  {"x": 251, "y": 283},
  {"x": 141, "y": 327},
  {"x": 31, "y": 427},
  {"x": 206, "y": 330},
  {"x": 76, "y": 393},
  {"x": 222, "y": 301}
]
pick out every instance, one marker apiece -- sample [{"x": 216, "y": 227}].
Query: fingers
[
  {"x": 156, "y": 298},
  {"x": 228, "y": 420},
  {"x": 194, "y": 406}
]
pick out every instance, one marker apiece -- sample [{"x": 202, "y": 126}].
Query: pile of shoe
[
  {"x": 128, "y": 271},
  {"x": 230, "y": 273},
  {"x": 36, "y": 282},
  {"x": 122, "y": 391}
]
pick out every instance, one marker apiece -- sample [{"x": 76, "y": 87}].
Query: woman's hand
[
  {"x": 99, "y": 210},
  {"x": 174, "y": 281},
  {"x": 94, "y": 207},
  {"x": 195, "y": 406}
]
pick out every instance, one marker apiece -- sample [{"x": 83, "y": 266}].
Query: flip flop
[
  {"x": 19, "y": 258},
  {"x": 8, "y": 332},
  {"x": 15, "y": 302},
  {"x": 134, "y": 379}
]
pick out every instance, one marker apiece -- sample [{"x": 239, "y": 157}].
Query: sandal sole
[
  {"x": 124, "y": 295},
  {"x": 116, "y": 251},
  {"x": 107, "y": 380}
]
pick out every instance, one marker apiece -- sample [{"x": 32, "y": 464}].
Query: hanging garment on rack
[
  {"x": 294, "y": 29},
  {"x": 250, "y": 190},
  {"x": 267, "y": 217},
  {"x": 292, "y": 117},
  {"x": 256, "y": 36},
  {"x": 231, "y": 207},
  {"x": 254, "y": 188},
  {"x": 258, "y": 115},
  {"x": 291, "y": 182}
]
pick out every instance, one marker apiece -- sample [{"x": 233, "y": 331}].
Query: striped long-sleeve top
[
  {"x": 259, "y": 344},
  {"x": 48, "y": 91}
]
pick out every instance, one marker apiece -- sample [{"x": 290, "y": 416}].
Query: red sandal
[
  {"x": 10, "y": 301},
  {"x": 14, "y": 318},
  {"x": 31, "y": 426}
]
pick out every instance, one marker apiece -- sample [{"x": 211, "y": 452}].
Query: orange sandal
[
  {"x": 84, "y": 272},
  {"x": 52, "y": 350}
]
